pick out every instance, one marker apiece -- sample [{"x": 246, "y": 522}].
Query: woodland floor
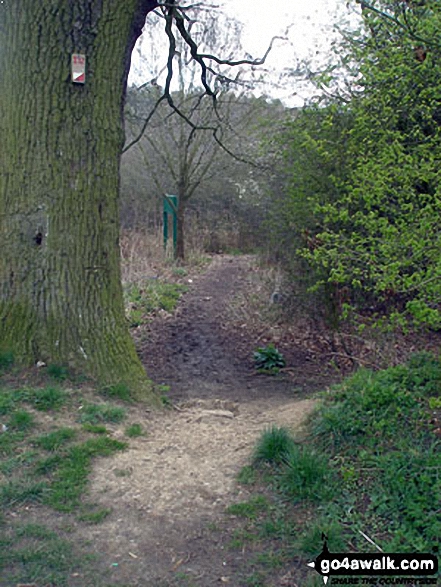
[{"x": 169, "y": 490}]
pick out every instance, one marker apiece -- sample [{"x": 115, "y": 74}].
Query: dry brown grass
[{"x": 143, "y": 255}]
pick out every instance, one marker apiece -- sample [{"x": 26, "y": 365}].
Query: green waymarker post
[{"x": 171, "y": 209}]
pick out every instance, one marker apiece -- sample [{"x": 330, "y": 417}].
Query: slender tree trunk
[
  {"x": 60, "y": 290},
  {"x": 180, "y": 236}
]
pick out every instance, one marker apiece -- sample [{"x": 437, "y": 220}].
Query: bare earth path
[{"x": 169, "y": 490}]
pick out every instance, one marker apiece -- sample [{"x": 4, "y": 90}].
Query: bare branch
[
  {"x": 147, "y": 120},
  {"x": 366, "y": 6},
  {"x": 253, "y": 62}
]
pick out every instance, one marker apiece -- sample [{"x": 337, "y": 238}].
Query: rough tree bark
[{"x": 60, "y": 289}]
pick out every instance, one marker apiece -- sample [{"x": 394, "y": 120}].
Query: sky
[{"x": 311, "y": 29}]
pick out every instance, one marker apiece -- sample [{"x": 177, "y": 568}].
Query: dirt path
[{"x": 169, "y": 491}]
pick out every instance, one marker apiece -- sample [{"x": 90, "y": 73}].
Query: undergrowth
[
  {"x": 368, "y": 473},
  {"x": 142, "y": 300}
]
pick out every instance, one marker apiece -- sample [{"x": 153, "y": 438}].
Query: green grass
[
  {"x": 95, "y": 428},
  {"x": 118, "y": 391},
  {"x": 23, "y": 491},
  {"x": 249, "y": 509},
  {"x": 6, "y": 360},
  {"x": 95, "y": 517},
  {"x": 70, "y": 478},
  {"x": 273, "y": 446},
  {"x": 134, "y": 430},
  {"x": 34, "y": 554},
  {"x": 44, "y": 462},
  {"x": 97, "y": 414},
  {"x": 21, "y": 420},
  {"x": 306, "y": 475},
  {"x": 57, "y": 372},
  {"x": 47, "y": 399},
  {"x": 145, "y": 299},
  {"x": 371, "y": 461},
  {"x": 56, "y": 439}
]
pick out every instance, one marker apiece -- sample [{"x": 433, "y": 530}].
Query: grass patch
[
  {"x": 45, "y": 463},
  {"x": 95, "y": 517},
  {"x": 134, "y": 430},
  {"x": 306, "y": 475},
  {"x": 97, "y": 414},
  {"x": 118, "y": 391},
  {"x": 22, "y": 491},
  {"x": 6, "y": 360},
  {"x": 56, "y": 439},
  {"x": 58, "y": 372},
  {"x": 95, "y": 428},
  {"x": 48, "y": 398},
  {"x": 22, "y": 460},
  {"x": 273, "y": 446},
  {"x": 21, "y": 420},
  {"x": 143, "y": 300},
  {"x": 34, "y": 554},
  {"x": 371, "y": 462},
  {"x": 70, "y": 478},
  {"x": 249, "y": 509}
]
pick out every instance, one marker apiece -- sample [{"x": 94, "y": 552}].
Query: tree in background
[
  {"x": 376, "y": 226},
  {"x": 195, "y": 141}
]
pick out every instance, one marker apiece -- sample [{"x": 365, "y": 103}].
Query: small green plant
[
  {"x": 179, "y": 271},
  {"x": 58, "y": 372},
  {"x": 70, "y": 478},
  {"x": 249, "y": 509},
  {"x": 134, "y": 430},
  {"x": 95, "y": 428},
  {"x": 268, "y": 359},
  {"x": 54, "y": 440},
  {"x": 6, "y": 360},
  {"x": 273, "y": 446},
  {"x": 21, "y": 420},
  {"x": 247, "y": 475},
  {"x": 99, "y": 413},
  {"x": 48, "y": 398},
  {"x": 435, "y": 403},
  {"x": 142, "y": 300},
  {"x": 306, "y": 475},
  {"x": 118, "y": 391},
  {"x": 95, "y": 517}
]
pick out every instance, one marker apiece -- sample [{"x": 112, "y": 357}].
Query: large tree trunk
[{"x": 60, "y": 144}]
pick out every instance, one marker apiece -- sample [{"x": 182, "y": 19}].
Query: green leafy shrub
[{"x": 268, "y": 359}]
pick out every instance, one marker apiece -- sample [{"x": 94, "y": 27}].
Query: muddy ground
[{"x": 170, "y": 490}]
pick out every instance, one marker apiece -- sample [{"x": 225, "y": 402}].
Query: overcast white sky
[{"x": 311, "y": 30}]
